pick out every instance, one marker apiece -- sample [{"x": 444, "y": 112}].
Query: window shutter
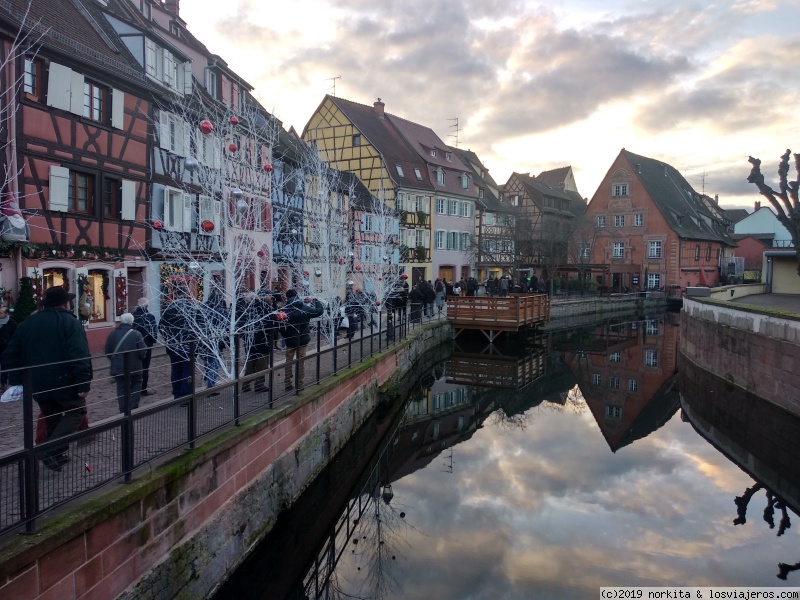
[
  {"x": 167, "y": 69},
  {"x": 411, "y": 238},
  {"x": 187, "y": 212},
  {"x": 76, "y": 94},
  {"x": 395, "y": 227},
  {"x": 117, "y": 109},
  {"x": 59, "y": 189},
  {"x": 426, "y": 237},
  {"x": 59, "y": 82},
  {"x": 163, "y": 127},
  {"x": 150, "y": 57},
  {"x": 185, "y": 132},
  {"x": 169, "y": 210},
  {"x": 128, "y": 200},
  {"x": 217, "y": 150},
  {"x": 187, "y": 78},
  {"x": 216, "y": 208}
]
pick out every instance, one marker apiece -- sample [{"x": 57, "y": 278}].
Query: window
[
  {"x": 452, "y": 240},
  {"x": 173, "y": 133},
  {"x": 615, "y": 357},
  {"x": 418, "y": 173},
  {"x": 586, "y": 251},
  {"x": 212, "y": 84},
  {"x": 697, "y": 252},
  {"x": 464, "y": 181},
  {"x": 465, "y": 210},
  {"x": 515, "y": 200},
  {"x": 601, "y": 221},
  {"x": 488, "y": 219},
  {"x": 633, "y": 385},
  {"x": 441, "y": 206},
  {"x": 619, "y": 189},
  {"x": 613, "y": 412},
  {"x": 638, "y": 220},
  {"x": 440, "y": 177},
  {"x": 613, "y": 382},
  {"x": 449, "y": 156},
  {"x": 651, "y": 327},
  {"x": 98, "y": 297},
  {"x": 597, "y": 379},
  {"x": 480, "y": 193},
  {"x": 368, "y": 223},
  {"x": 80, "y": 195},
  {"x": 433, "y": 152},
  {"x": 419, "y": 238},
  {"x": 441, "y": 238},
  {"x": 651, "y": 358},
  {"x": 708, "y": 253},
  {"x": 32, "y": 83},
  {"x": 654, "y": 250},
  {"x": 174, "y": 210},
  {"x": 653, "y": 280},
  {"x": 357, "y": 141},
  {"x": 453, "y": 208},
  {"x": 619, "y": 220},
  {"x": 421, "y": 205},
  {"x": 465, "y": 241},
  {"x": 112, "y": 198},
  {"x": 400, "y": 170},
  {"x": 162, "y": 66},
  {"x": 94, "y": 101},
  {"x": 619, "y": 250}
]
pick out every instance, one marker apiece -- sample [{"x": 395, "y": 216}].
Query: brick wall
[
  {"x": 178, "y": 532},
  {"x": 755, "y": 351}
]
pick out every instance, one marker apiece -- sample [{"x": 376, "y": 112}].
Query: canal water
[{"x": 585, "y": 458}]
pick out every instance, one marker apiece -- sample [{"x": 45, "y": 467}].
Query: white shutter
[
  {"x": 187, "y": 78},
  {"x": 59, "y": 82},
  {"x": 187, "y": 212},
  {"x": 411, "y": 238},
  {"x": 395, "y": 227},
  {"x": 76, "y": 94},
  {"x": 217, "y": 150},
  {"x": 216, "y": 208},
  {"x": 118, "y": 273},
  {"x": 184, "y": 133},
  {"x": 206, "y": 204},
  {"x": 168, "y": 70},
  {"x": 128, "y": 200},
  {"x": 151, "y": 54},
  {"x": 117, "y": 109},
  {"x": 59, "y": 189},
  {"x": 426, "y": 238},
  {"x": 163, "y": 128},
  {"x": 169, "y": 209}
]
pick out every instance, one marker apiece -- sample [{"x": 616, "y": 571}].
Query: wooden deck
[
  {"x": 496, "y": 371},
  {"x": 494, "y": 316}
]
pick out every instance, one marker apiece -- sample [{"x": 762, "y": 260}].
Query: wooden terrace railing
[{"x": 494, "y": 315}]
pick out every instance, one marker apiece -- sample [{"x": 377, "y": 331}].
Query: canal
[{"x": 548, "y": 468}]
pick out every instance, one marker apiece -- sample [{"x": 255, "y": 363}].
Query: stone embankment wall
[
  {"x": 757, "y": 351},
  {"x": 178, "y": 532},
  {"x": 573, "y": 313}
]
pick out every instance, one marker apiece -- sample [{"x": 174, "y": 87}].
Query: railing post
[
  {"x": 237, "y": 411},
  {"x": 191, "y": 425},
  {"x": 335, "y": 346},
  {"x": 29, "y": 486},
  {"x": 273, "y": 339},
  {"x": 361, "y": 339},
  {"x": 319, "y": 348},
  {"x": 126, "y": 435}
]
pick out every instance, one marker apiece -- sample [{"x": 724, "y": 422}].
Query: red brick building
[{"x": 653, "y": 231}]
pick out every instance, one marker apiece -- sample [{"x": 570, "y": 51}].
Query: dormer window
[
  {"x": 449, "y": 156},
  {"x": 212, "y": 84},
  {"x": 433, "y": 153},
  {"x": 418, "y": 173},
  {"x": 464, "y": 181},
  {"x": 400, "y": 170},
  {"x": 164, "y": 67},
  {"x": 440, "y": 177}
]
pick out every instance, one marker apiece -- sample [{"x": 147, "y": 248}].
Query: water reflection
[{"x": 510, "y": 490}]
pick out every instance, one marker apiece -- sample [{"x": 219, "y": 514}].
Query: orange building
[{"x": 653, "y": 231}]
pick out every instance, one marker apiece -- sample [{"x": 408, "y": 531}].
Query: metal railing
[{"x": 113, "y": 448}]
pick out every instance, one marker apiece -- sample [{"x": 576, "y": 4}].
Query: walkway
[{"x": 790, "y": 302}]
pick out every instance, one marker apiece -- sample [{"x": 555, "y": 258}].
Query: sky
[{"x": 536, "y": 86}]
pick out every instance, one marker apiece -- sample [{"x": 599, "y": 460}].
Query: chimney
[
  {"x": 379, "y": 106},
  {"x": 758, "y": 205},
  {"x": 172, "y": 6},
  {"x": 716, "y": 199}
]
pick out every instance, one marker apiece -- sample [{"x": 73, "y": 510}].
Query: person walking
[
  {"x": 296, "y": 333},
  {"x": 215, "y": 321},
  {"x": 176, "y": 331},
  {"x": 145, "y": 323},
  {"x": 126, "y": 344},
  {"x": 7, "y": 328},
  {"x": 504, "y": 286},
  {"x": 53, "y": 344},
  {"x": 440, "y": 289},
  {"x": 257, "y": 341}
]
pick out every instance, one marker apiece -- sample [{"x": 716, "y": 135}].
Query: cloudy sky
[{"x": 537, "y": 85}]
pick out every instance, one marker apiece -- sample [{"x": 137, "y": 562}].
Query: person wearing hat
[
  {"x": 296, "y": 334},
  {"x": 53, "y": 344}
]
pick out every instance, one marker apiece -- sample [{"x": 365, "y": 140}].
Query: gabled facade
[
  {"x": 453, "y": 212},
  {"x": 653, "y": 230},
  {"x": 363, "y": 140},
  {"x": 764, "y": 225}
]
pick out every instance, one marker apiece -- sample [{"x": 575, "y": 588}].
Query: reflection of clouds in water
[{"x": 551, "y": 506}]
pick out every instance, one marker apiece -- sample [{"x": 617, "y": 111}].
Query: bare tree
[{"x": 785, "y": 199}]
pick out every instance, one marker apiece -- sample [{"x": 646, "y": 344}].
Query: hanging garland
[
  {"x": 171, "y": 275},
  {"x": 85, "y": 297},
  {"x": 121, "y": 285}
]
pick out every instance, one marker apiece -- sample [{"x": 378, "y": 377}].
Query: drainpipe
[{"x": 768, "y": 289}]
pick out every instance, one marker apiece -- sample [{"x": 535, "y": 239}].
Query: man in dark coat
[
  {"x": 417, "y": 299},
  {"x": 126, "y": 344},
  {"x": 145, "y": 323},
  {"x": 7, "y": 328},
  {"x": 296, "y": 334},
  {"x": 175, "y": 328},
  {"x": 53, "y": 342},
  {"x": 255, "y": 325}
]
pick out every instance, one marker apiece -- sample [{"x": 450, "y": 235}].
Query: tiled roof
[
  {"x": 734, "y": 215},
  {"x": 537, "y": 188},
  {"x": 554, "y": 177},
  {"x": 385, "y": 137},
  {"x": 682, "y": 207},
  {"x": 481, "y": 177}
]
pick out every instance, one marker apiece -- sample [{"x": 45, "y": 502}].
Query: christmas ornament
[
  {"x": 404, "y": 276},
  {"x": 260, "y": 253},
  {"x": 207, "y": 225},
  {"x": 358, "y": 267},
  {"x": 267, "y": 167},
  {"x": 190, "y": 164},
  {"x": 241, "y": 206},
  {"x": 377, "y": 303},
  {"x": 206, "y": 127},
  {"x": 233, "y": 147},
  {"x": 305, "y": 273},
  {"x": 281, "y": 316},
  {"x": 234, "y": 120},
  {"x": 156, "y": 225}
]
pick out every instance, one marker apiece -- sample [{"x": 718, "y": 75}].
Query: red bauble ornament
[
  {"x": 233, "y": 147},
  {"x": 281, "y": 316},
  {"x": 158, "y": 225},
  {"x": 377, "y": 303},
  {"x": 341, "y": 261},
  {"x": 260, "y": 253},
  {"x": 358, "y": 267},
  {"x": 234, "y": 120},
  {"x": 305, "y": 273},
  {"x": 267, "y": 167},
  {"x": 404, "y": 276},
  {"x": 358, "y": 242},
  {"x": 207, "y": 225},
  {"x": 313, "y": 226},
  {"x": 380, "y": 278},
  {"x": 206, "y": 127},
  {"x": 397, "y": 243}
]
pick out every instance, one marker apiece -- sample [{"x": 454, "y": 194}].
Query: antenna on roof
[
  {"x": 702, "y": 178},
  {"x": 333, "y": 79},
  {"x": 455, "y": 125}
]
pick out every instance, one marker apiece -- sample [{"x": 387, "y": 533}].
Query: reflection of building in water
[
  {"x": 500, "y": 365},
  {"x": 626, "y": 373}
]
